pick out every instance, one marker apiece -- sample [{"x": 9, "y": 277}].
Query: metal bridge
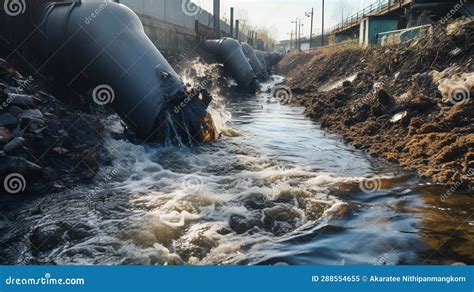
[{"x": 381, "y": 7}]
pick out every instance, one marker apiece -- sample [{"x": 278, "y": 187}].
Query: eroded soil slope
[{"x": 409, "y": 103}]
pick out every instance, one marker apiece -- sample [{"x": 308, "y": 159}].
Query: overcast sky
[{"x": 278, "y": 14}]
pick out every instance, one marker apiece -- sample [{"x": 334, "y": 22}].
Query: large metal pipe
[
  {"x": 261, "y": 57},
  {"x": 274, "y": 58},
  {"x": 229, "y": 52},
  {"x": 268, "y": 59},
  {"x": 104, "y": 45},
  {"x": 254, "y": 62}
]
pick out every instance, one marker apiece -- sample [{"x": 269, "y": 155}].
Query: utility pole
[
  {"x": 293, "y": 43},
  {"x": 342, "y": 10},
  {"x": 232, "y": 21},
  {"x": 322, "y": 29},
  {"x": 217, "y": 14},
  {"x": 310, "y": 14},
  {"x": 296, "y": 33},
  {"x": 291, "y": 40},
  {"x": 299, "y": 34},
  {"x": 237, "y": 29}
]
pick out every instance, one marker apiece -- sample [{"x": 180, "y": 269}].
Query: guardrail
[{"x": 402, "y": 35}]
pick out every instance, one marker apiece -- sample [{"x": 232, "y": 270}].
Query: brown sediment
[
  {"x": 397, "y": 107},
  {"x": 208, "y": 129}
]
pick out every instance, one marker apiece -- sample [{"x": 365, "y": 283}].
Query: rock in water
[
  {"x": 10, "y": 164},
  {"x": 5, "y": 136},
  {"x": 47, "y": 237},
  {"x": 14, "y": 145},
  {"x": 21, "y": 100},
  {"x": 8, "y": 121},
  {"x": 241, "y": 224},
  {"x": 281, "y": 219},
  {"x": 33, "y": 114}
]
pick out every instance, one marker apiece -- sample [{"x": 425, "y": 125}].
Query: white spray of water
[{"x": 205, "y": 75}]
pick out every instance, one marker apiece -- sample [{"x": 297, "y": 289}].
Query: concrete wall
[
  {"x": 170, "y": 24},
  {"x": 170, "y": 11},
  {"x": 373, "y": 25},
  {"x": 364, "y": 32}
]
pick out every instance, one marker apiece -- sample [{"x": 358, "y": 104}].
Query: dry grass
[{"x": 345, "y": 46}]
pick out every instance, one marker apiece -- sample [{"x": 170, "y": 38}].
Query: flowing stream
[{"x": 276, "y": 189}]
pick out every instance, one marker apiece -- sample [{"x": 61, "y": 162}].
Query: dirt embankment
[{"x": 409, "y": 104}]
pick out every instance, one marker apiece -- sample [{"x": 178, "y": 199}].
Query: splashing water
[
  {"x": 206, "y": 76},
  {"x": 281, "y": 191}
]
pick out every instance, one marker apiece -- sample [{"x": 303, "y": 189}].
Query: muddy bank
[{"x": 409, "y": 104}]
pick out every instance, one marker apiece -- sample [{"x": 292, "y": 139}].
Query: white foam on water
[
  {"x": 161, "y": 202},
  {"x": 173, "y": 205},
  {"x": 208, "y": 74},
  {"x": 170, "y": 216}
]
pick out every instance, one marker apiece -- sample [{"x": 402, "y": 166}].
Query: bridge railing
[{"x": 372, "y": 9}]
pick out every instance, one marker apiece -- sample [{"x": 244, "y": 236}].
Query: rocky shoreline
[
  {"x": 409, "y": 104},
  {"x": 46, "y": 145}
]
